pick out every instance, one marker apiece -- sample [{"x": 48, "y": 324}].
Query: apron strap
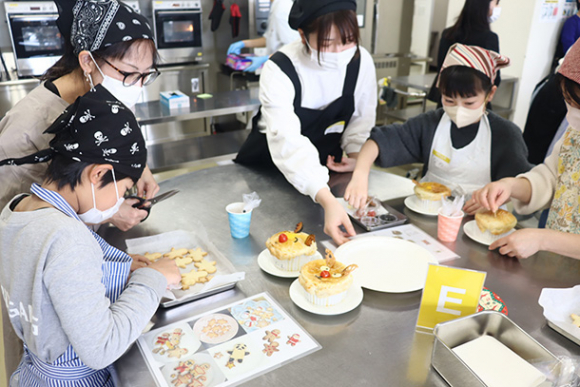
[
  {"x": 352, "y": 71},
  {"x": 287, "y": 68}
]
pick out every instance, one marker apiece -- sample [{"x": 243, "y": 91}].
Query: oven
[
  {"x": 178, "y": 30},
  {"x": 36, "y": 41}
]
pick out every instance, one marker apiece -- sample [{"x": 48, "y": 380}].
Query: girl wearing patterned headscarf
[
  {"x": 461, "y": 144},
  {"x": 107, "y": 43},
  {"x": 552, "y": 184},
  {"x": 80, "y": 311}
]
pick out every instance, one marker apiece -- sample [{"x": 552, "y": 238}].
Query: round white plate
[
  {"x": 470, "y": 229},
  {"x": 354, "y": 297},
  {"x": 266, "y": 263},
  {"x": 412, "y": 203},
  {"x": 387, "y": 264}
]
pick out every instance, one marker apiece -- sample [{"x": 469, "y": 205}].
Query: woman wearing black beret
[{"x": 318, "y": 98}]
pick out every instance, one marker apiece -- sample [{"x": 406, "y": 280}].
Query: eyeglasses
[{"x": 132, "y": 78}]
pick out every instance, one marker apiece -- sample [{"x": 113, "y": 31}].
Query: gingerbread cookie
[
  {"x": 197, "y": 254},
  {"x": 270, "y": 348},
  {"x": 206, "y": 266},
  {"x": 183, "y": 262},
  {"x": 174, "y": 253},
  {"x": 153, "y": 256},
  {"x": 271, "y": 336},
  {"x": 193, "y": 277}
]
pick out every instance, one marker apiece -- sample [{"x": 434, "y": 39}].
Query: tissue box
[
  {"x": 238, "y": 62},
  {"x": 174, "y": 99}
]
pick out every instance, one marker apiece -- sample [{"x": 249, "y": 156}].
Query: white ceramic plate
[
  {"x": 412, "y": 203},
  {"x": 387, "y": 264},
  {"x": 354, "y": 297},
  {"x": 266, "y": 263},
  {"x": 470, "y": 229}
]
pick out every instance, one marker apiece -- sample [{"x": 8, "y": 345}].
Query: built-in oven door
[
  {"x": 36, "y": 41},
  {"x": 178, "y": 29}
]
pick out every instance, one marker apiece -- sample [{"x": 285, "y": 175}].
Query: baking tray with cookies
[{"x": 204, "y": 269}]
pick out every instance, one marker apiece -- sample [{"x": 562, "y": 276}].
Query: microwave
[
  {"x": 36, "y": 41},
  {"x": 178, "y": 29}
]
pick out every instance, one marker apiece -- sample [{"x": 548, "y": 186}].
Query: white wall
[
  {"x": 527, "y": 40},
  {"x": 532, "y": 54}
]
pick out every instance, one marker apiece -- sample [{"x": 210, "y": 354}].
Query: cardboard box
[{"x": 174, "y": 99}]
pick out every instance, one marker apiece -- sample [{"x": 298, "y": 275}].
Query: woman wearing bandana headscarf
[
  {"x": 461, "y": 144},
  {"x": 319, "y": 101},
  {"x": 106, "y": 43},
  {"x": 69, "y": 294},
  {"x": 554, "y": 184}
]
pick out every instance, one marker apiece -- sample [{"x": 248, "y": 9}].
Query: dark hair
[
  {"x": 346, "y": 22},
  {"x": 65, "y": 171},
  {"x": 463, "y": 81},
  {"x": 69, "y": 62},
  {"x": 474, "y": 18},
  {"x": 570, "y": 88}
]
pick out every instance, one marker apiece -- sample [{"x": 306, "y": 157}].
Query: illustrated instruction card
[{"x": 226, "y": 346}]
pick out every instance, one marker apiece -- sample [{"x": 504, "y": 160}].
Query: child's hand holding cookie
[
  {"x": 139, "y": 261},
  {"x": 168, "y": 268}
]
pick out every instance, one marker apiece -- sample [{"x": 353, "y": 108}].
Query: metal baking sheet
[
  {"x": 563, "y": 332},
  {"x": 163, "y": 243}
]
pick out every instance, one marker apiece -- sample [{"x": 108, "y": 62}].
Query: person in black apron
[{"x": 331, "y": 111}]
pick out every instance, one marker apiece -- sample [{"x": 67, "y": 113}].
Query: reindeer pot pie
[
  {"x": 430, "y": 195},
  {"x": 326, "y": 281},
  {"x": 291, "y": 250}
]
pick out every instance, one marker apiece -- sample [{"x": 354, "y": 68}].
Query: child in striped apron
[{"x": 70, "y": 296}]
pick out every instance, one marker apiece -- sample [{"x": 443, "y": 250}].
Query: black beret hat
[{"x": 305, "y": 11}]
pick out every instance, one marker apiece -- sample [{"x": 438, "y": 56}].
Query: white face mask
[
  {"x": 96, "y": 216},
  {"x": 495, "y": 14},
  {"x": 129, "y": 95},
  {"x": 462, "y": 116},
  {"x": 332, "y": 60},
  {"x": 573, "y": 116}
]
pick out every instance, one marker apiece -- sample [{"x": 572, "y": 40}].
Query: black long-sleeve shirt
[{"x": 411, "y": 142}]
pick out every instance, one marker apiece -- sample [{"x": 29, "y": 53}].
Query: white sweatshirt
[{"x": 294, "y": 155}]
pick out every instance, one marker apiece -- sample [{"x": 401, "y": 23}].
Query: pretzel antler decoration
[
  {"x": 349, "y": 269},
  {"x": 298, "y": 227},
  {"x": 330, "y": 260}
]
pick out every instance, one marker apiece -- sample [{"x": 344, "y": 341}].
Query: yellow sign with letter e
[{"x": 449, "y": 293}]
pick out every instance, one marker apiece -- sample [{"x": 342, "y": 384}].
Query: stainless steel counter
[
  {"x": 373, "y": 345},
  {"x": 222, "y": 103}
]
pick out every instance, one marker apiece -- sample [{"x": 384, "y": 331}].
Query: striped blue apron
[{"x": 68, "y": 370}]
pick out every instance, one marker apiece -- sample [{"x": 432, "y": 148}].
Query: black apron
[{"x": 313, "y": 123}]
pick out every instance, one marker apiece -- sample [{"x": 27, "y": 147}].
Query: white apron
[{"x": 468, "y": 167}]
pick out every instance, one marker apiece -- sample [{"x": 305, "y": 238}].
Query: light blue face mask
[{"x": 96, "y": 216}]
